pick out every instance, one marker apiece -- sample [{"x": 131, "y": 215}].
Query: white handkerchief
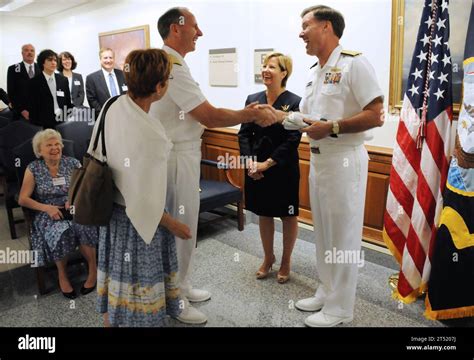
[{"x": 294, "y": 121}]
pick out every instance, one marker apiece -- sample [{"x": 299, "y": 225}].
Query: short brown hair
[
  {"x": 284, "y": 62},
  {"x": 69, "y": 56},
  {"x": 144, "y": 69},
  {"x": 172, "y": 16},
  {"x": 103, "y": 50},
  {"x": 325, "y": 13}
]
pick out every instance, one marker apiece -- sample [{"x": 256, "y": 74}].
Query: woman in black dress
[{"x": 272, "y": 180}]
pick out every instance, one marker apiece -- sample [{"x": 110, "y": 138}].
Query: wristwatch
[{"x": 335, "y": 128}]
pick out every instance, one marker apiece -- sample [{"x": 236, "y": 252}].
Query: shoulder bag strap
[{"x": 101, "y": 128}]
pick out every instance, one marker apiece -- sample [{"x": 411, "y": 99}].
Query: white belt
[
  {"x": 186, "y": 146},
  {"x": 333, "y": 149}
]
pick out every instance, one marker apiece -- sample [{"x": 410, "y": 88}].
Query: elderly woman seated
[{"x": 54, "y": 236}]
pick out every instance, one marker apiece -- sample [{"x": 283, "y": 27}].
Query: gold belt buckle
[{"x": 315, "y": 150}]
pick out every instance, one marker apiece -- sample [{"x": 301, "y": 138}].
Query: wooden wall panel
[
  {"x": 221, "y": 141},
  {"x": 375, "y": 200}
]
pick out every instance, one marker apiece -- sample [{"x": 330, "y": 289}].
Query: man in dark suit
[
  {"x": 18, "y": 77},
  {"x": 105, "y": 83},
  {"x": 49, "y": 96}
]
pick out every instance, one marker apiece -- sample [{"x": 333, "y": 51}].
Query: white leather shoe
[
  {"x": 191, "y": 315},
  {"x": 321, "y": 319},
  {"x": 309, "y": 304},
  {"x": 197, "y": 295}
]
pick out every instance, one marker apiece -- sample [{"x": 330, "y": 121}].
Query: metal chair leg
[
  {"x": 40, "y": 280},
  {"x": 11, "y": 222},
  {"x": 241, "y": 216}
]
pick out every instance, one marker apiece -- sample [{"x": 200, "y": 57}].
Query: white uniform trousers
[
  {"x": 182, "y": 201},
  {"x": 338, "y": 180}
]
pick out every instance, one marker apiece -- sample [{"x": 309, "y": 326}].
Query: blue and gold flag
[{"x": 450, "y": 289}]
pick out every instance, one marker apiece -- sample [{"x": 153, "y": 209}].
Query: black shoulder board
[{"x": 316, "y": 63}]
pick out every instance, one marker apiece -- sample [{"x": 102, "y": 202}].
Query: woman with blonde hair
[
  {"x": 272, "y": 181},
  {"x": 45, "y": 189}
]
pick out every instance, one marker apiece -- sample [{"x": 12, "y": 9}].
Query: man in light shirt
[
  {"x": 104, "y": 83},
  {"x": 184, "y": 111}
]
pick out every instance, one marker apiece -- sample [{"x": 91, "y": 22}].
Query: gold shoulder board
[
  {"x": 351, "y": 53},
  {"x": 174, "y": 60}
]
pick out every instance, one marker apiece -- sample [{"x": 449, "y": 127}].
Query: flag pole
[{"x": 422, "y": 128}]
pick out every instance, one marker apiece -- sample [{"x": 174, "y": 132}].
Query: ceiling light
[{"x": 12, "y": 5}]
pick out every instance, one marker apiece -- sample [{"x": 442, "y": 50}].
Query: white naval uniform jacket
[{"x": 341, "y": 89}]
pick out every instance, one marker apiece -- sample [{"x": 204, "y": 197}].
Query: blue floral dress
[
  {"x": 137, "y": 283},
  {"x": 55, "y": 239}
]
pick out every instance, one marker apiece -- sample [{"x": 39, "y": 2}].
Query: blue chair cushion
[{"x": 216, "y": 194}]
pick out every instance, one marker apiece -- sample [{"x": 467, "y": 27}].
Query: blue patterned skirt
[
  {"x": 53, "y": 240},
  {"x": 136, "y": 282}
]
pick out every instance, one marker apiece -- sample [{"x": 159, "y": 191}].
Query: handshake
[
  {"x": 262, "y": 114},
  {"x": 265, "y": 115}
]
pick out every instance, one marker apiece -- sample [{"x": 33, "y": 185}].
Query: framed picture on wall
[
  {"x": 406, "y": 15},
  {"x": 125, "y": 40}
]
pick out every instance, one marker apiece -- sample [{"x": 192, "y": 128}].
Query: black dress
[{"x": 277, "y": 193}]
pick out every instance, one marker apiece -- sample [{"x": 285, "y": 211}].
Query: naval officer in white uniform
[
  {"x": 183, "y": 111},
  {"x": 343, "y": 92}
]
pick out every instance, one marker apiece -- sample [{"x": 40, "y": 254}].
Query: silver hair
[{"x": 43, "y": 136}]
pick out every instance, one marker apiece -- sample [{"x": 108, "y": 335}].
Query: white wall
[
  {"x": 15, "y": 32},
  {"x": 245, "y": 25}
]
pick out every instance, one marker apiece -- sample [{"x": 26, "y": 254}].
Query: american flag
[{"x": 421, "y": 153}]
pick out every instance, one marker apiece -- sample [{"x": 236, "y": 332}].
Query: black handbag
[{"x": 92, "y": 189}]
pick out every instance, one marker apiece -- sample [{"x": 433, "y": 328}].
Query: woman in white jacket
[{"x": 137, "y": 277}]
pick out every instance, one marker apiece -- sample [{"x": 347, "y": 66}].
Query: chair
[
  {"x": 216, "y": 194},
  {"x": 78, "y": 131},
  {"x": 4, "y": 121},
  {"x": 15, "y": 133},
  {"x": 25, "y": 154}
]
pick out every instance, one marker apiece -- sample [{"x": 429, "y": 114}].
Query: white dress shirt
[
  {"x": 51, "y": 81},
  {"x": 27, "y": 66},
  {"x": 183, "y": 95}
]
